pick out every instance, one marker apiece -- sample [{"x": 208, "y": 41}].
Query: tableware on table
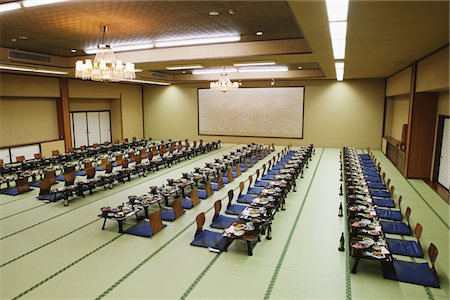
[
  {"x": 374, "y": 254},
  {"x": 239, "y": 233}
]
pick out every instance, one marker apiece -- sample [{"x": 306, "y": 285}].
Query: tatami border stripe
[
  {"x": 127, "y": 188},
  {"x": 21, "y": 212},
  {"x": 65, "y": 268},
  {"x": 429, "y": 206},
  {"x": 107, "y": 243},
  {"x": 291, "y": 234},
  {"x": 199, "y": 277},
  {"x": 138, "y": 266},
  {"x": 144, "y": 261},
  {"x": 348, "y": 279},
  {"x": 48, "y": 243}
]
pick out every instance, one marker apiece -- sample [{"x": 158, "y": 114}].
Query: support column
[{"x": 62, "y": 105}]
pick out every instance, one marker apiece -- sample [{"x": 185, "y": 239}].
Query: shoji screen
[{"x": 444, "y": 164}]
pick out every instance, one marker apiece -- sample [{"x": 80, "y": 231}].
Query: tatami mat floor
[{"x": 49, "y": 251}]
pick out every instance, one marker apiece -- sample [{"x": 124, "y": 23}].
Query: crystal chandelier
[
  {"x": 105, "y": 67},
  {"x": 224, "y": 84}
]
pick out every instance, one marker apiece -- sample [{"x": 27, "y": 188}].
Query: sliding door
[
  {"x": 4, "y": 154},
  {"x": 28, "y": 151},
  {"x": 105, "y": 126},
  {"x": 444, "y": 163},
  {"x": 89, "y": 128}
]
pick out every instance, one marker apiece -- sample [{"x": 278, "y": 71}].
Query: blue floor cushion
[
  {"x": 167, "y": 214},
  {"x": 261, "y": 183},
  {"x": 187, "y": 203},
  {"x": 80, "y": 173},
  {"x": 214, "y": 186},
  {"x": 52, "y": 197},
  {"x": 235, "y": 174},
  {"x": 35, "y": 184},
  {"x": 274, "y": 172},
  {"x": 255, "y": 190},
  {"x": 268, "y": 177},
  {"x": 246, "y": 198},
  {"x": 202, "y": 194},
  {"x": 208, "y": 239},
  {"x": 11, "y": 192},
  {"x": 380, "y": 193},
  {"x": 387, "y": 214},
  {"x": 142, "y": 228},
  {"x": 376, "y": 185},
  {"x": 383, "y": 202},
  {"x": 222, "y": 222},
  {"x": 60, "y": 178},
  {"x": 396, "y": 228},
  {"x": 278, "y": 166},
  {"x": 404, "y": 247},
  {"x": 235, "y": 209},
  {"x": 225, "y": 180},
  {"x": 417, "y": 273}
]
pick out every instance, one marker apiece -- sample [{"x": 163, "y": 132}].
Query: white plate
[{"x": 239, "y": 233}]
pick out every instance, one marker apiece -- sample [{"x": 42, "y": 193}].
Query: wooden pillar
[{"x": 64, "y": 114}]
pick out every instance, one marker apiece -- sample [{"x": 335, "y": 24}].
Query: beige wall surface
[
  {"x": 28, "y": 86},
  {"x": 399, "y": 83},
  {"x": 27, "y": 120},
  {"x": 89, "y": 104},
  {"x": 335, "y": 113},
  {"x": 131, "y": 102},
  {"x": 432, "y": 72},
  {"x": 47, "y": 148},
  {"x": 389, "y": 111},
  {"x": 399, "y": 116}
]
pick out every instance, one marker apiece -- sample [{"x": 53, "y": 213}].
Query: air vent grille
[{"x": 28, "y": 57}]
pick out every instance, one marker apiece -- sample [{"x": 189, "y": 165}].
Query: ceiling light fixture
[
  {"x": 254, "y": 63},
  {"x": 73, "y": 50},
  {"x": 32, "y": 3},
  {"x": 339, "y": 71},
  {"x": 337, "y": 11},
  {"x": 259, "y": 33},
  {"x": 34, "y": 70},
  {"x": 146, "y": 81},
  {"x": 214, "y": 13},
  {"x": 198, "y": 41},
  {"x": 121, "y": 48},
  {"x": 214, "y": 71},
  {"x": 105, "y": 67},
  {"x": 224, "y": 84},
  {"x": 187, "y": 67},
  {"x": 263, "y": 69},
  {"x": 9, "y": 6}
]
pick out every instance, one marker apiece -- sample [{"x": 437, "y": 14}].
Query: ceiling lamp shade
[
  {"x": 105, "y": 67},
  {"x": 224, "y": 84}
]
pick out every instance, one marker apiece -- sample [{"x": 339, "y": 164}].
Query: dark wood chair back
[
  {"x": 69, "y": 178},
  {"x": 109, "y": 168},
  {"x": 230, "y": 174},
  {"x": 230, "y": 197},
  {"x": 408, "y": 213},
  {"x": 51, "y": 176},
  {"x": 105, "y": 161},
  {"x": 241, "y": 189},
  {"x": 208, "y": 188},
  {"x": 250, "y": 181},
  {"x": 200, "y": 220},
  {"x": 418, "y": 231},
  {"x": 22, "y": 185},
  {"x": 134, "y": 139},
  {"x": 90, "y": 173},
  {"x": 156, "y": 221},
  {"x": 125, "y": 140},
  {"x": 143, "y": 153},
  {"x": 20, "y": 158},
  {"x": 38, "y": 155},
  {"x": 194, "y": 197},
  {"x": 433, "y": 253},
  {"x": 219, "y": 182},
  {"x": 45, "y": 186},
  {"x": 217, "y": 209},
  {"x": 1, "y": 163},
  {"x": 55, "y": 152},
  {"x": 88, "y": 165},
  {"x": 119, "y": 158},
  {"x": 177, "y": 207}
]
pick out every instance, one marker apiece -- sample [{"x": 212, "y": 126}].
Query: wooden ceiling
[{"x": 382, "y": 36}]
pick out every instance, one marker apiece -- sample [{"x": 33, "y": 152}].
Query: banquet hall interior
[{"x": 224, "y": 149}]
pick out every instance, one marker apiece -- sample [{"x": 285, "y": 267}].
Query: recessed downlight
[
  {"x": 214, "y": 13},
  {"x": 300, "y": 68},
  {"x": 73, "y": 50},
  {"x": 259, "y": 33},
  {"x": 23, "y": 37}
]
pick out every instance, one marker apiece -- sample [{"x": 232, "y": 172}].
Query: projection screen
[{"x": 252, "y": 112}]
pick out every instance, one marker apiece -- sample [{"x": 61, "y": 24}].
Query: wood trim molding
[{"x": 64, "y": 114}]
